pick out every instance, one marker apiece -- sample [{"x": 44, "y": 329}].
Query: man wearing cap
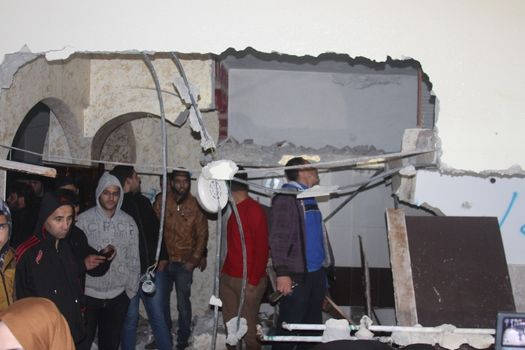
[
  {"x": 300, "y": 250},
  {"x": 186, "y": 236},
  {"x": 108, "y": 296},
  {"x": 46, "y": 265}
]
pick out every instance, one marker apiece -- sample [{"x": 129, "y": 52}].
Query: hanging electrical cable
[
  {"x": 244, "y": 262},
  {"x": 216, "y": 276},
  {"x": 153, "y": 72}
]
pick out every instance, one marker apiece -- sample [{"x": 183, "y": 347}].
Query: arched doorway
[{"x": 31, "y": 135}]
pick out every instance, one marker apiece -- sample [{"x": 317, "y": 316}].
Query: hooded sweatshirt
[{"x": 120, "y": 231}]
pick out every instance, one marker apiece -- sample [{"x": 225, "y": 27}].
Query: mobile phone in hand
[{"x": 107, "y": 252}]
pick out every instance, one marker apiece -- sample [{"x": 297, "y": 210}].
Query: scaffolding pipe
[
  {"x": 292, "y": 338},
  {"x": 415, "y": 329}
]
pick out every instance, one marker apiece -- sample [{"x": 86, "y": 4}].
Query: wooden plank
[
  {"x": 366, "y": 279},
  {"x": 459, "y": 270},
  {"x": 336, "y": 311},
  {"x": 404, "y": 295},
  {"x": 28, "y": 168}
]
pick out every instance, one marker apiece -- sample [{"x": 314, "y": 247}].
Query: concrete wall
[
  {"x": 62, "y": 87},
  {"x": 112, "y": 102},
  {"x": 468, "y": 48},
  {"x": 316, "y": 109}
]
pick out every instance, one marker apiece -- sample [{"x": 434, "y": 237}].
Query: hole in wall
[
  {"x": 331, "y": 104},
  {"x": 330, "y": 100}
]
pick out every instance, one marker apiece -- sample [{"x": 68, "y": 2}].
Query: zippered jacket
[
  {"x": 288, "y": 237},
  {"x": 7, "y": 278}
]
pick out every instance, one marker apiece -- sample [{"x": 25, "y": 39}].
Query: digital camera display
[{"x": 510, "y": 331}]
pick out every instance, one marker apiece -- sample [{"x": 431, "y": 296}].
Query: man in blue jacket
[{"x": 300, "y": 250}]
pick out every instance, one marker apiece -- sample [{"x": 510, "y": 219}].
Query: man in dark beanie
[{"x": 46, "y": 265}]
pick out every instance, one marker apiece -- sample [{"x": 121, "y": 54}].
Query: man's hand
[
  {"x": 92, "y": 261},
  {"x": 161, "y": 266},
  {"x": 284, "y": 284},
  {"x": 189, "y": 266},
  {"x": 109, "y": 246},
  {"x": 203, "y": 263}
]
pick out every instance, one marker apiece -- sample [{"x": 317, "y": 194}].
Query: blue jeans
[
  {"x": 157, "y": 315},
  {"x": 182, "y": 279}
]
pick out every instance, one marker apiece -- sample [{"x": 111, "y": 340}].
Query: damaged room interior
[{"x": 415, "y": 142}]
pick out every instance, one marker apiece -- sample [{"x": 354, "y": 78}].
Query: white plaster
[
  {"x": 476, "y": 196},
  {"x": 469, "y": 48}
]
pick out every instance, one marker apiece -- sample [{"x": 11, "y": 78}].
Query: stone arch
[
  {"x": 70, "y": 126},
  {"x": 66, "y": 120},
  {"x": 122, "y": 124}
]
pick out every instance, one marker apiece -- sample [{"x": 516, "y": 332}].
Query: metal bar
[{"x": 322, "y": 327}]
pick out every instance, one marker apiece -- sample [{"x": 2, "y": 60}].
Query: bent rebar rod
[{"x": 204, "y": 132}]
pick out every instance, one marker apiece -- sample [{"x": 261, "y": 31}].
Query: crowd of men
[{"x": 93, "y": 265}]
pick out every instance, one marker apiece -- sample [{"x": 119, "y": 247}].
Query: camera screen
[{"x": 513, "y": 333}]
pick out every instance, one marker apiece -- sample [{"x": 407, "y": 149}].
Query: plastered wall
[
  {"x": 468, "y": 48},
  {"x": 88, "y": 96},
  {"x": 63, "y": 87},
  {"x": 120, "y": 86}
]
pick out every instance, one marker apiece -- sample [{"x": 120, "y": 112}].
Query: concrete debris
[
  {"x": 335, "y": 330},
  {"x": 220, "y": 170},
  {"x": 248, "y": 153},
  {"x": 235, "y": 333},
  {"x": 445, "y": 337},
  {"x": 203, "y": 341},
  {"x": 364, "y": 331}
]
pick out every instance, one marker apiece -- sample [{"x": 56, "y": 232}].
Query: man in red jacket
[{"x": 255, "y": 227}]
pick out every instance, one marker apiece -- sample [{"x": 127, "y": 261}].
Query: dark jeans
[
  {"x": 108, "y": 315},
  {"x": 155, "y": 307},
  {"x": 304, "y": 305},
  {"x": 182, "y": 278}
]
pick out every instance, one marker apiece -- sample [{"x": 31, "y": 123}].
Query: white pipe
[
  {"x": 322, "y": 327},
  {"x": 291, "y": 338}
]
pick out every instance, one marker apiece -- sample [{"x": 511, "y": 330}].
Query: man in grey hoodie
[{"x": 107, "y": 296}]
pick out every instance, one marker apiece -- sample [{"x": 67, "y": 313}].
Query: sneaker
[{"x": 151, "y": 346}]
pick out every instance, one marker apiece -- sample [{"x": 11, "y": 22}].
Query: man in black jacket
[
  {"x": 47, "y": 267},
  {"x": 140, "y": 208}
]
